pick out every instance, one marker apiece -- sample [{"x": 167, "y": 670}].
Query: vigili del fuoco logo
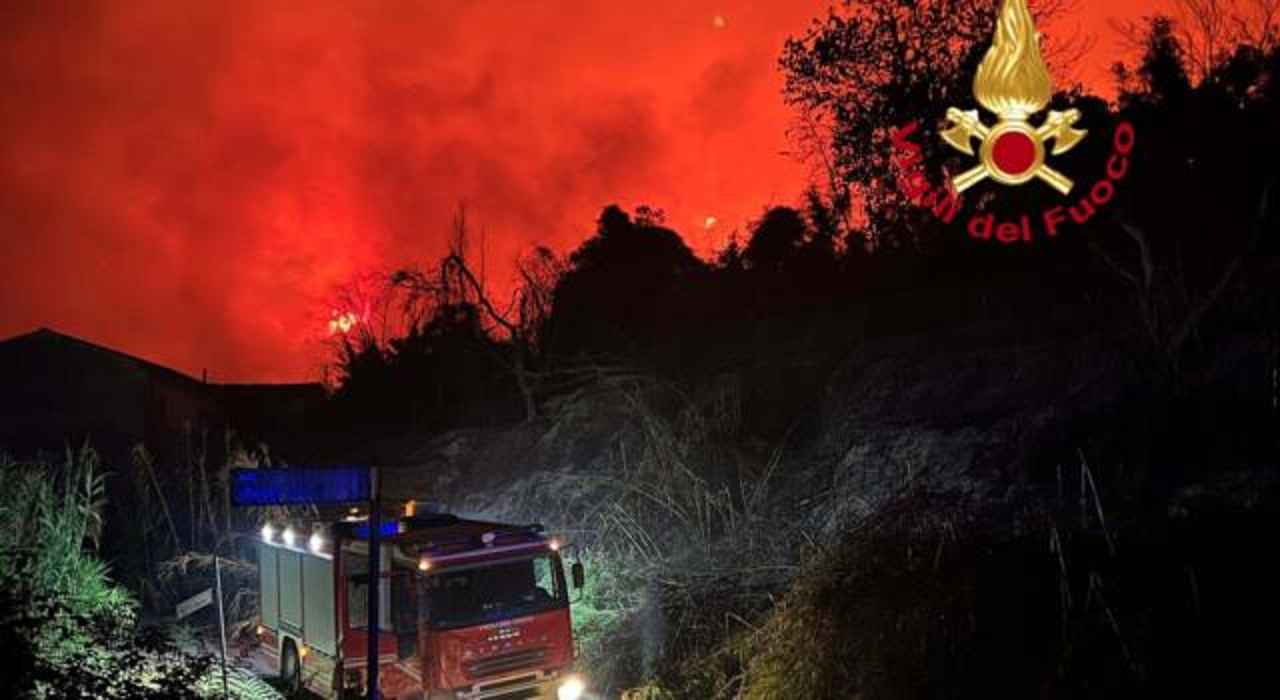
[{"x": 1013, "y": 83}]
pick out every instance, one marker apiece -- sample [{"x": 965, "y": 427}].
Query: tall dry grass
[{"x": 678, "y": 524}]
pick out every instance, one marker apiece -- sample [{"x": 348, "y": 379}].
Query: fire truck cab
[{"x": 467, "y": 609}]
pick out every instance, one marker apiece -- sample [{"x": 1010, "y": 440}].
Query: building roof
[{"x": 48, "y": 335}]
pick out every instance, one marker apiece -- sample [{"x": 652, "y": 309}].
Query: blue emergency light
[{"x": 386, "y": 528}]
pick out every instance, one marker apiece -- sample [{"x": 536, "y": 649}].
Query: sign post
[
  {"x": 375, "y": 582},
  {"x": 198, "y": 602},
  {"x": 321, "y": 486},
  {"x": 222, "y": 624}
]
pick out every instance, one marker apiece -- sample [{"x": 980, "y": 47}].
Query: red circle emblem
[{"x": 1014, "y": 153}]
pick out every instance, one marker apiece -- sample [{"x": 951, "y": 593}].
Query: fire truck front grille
[{"x": 505, "y": 663}]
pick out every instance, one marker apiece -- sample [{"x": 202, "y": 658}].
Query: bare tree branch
[{"x": 454, "y": 283}]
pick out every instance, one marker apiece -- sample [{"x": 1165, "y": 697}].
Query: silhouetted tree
[
  {"x": 432, "y": 348},
  {"x": 729, "y": 259},
  {"x": 511, "y": 334},
  {"x": 627, "y": 287},
  {"x": 1209, "y": 31},
  {"x": 825, "y": 222},
  {"x": 777, "y": 240},
  {"x": 366, "y": 386},
  {"x": 790, "y": 263},
  {"x": 1162, "y": 73}
]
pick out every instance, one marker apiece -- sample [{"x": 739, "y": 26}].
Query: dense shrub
[{"x": 66, "y": 629}]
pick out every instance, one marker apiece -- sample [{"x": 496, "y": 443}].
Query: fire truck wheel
[{"x": 290, "y": 669}]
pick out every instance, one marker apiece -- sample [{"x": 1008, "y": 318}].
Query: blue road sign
[{"x": 300, "y": 486}]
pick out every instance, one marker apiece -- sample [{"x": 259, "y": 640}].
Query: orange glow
[
  {"x": 214, "y": 170},
  {"x": 342, "y": 323}
]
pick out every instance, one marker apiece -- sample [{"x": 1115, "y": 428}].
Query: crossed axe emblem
[{"x": 1012, "y": 152}]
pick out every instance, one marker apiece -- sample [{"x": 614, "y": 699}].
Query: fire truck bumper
[{"x": 553, "y": 687}]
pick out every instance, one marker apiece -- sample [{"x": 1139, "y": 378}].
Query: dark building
[{"x": 56, "y": 390}]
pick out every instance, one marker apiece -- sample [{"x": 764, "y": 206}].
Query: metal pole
[
  {"x": 375, "y": 582},
  {"x": 222, "y": 625}
]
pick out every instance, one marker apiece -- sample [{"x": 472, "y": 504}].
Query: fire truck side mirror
[{"x": 579, "y": 575}]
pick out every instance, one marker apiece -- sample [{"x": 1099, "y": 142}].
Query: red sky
[{"x": 188, "y": 181}]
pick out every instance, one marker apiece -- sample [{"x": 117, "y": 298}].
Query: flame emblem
[{"x": 1013, "y": 82}]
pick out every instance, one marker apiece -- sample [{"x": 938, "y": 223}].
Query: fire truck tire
[{"x": 290, "y": 669}]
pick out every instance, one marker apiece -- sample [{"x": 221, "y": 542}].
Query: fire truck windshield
[{"x": 492, "y": 591}]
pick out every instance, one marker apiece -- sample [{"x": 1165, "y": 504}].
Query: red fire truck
[{"x": 467, "y": 609}]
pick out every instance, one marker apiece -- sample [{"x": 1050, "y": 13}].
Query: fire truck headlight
[
  {"x": 288, "y": 536},
  {"x": 316, "y": 543},
  {"x": 571, "y": 689},
  {"x": 268, "y": 532}
]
